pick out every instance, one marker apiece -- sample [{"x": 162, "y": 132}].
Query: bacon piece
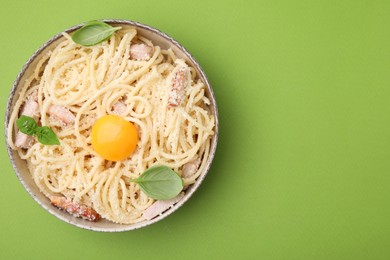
[
  {"x": 61, "y": 113},
  {"x": 119, "y": 107},
  {"x": 177, "y": 90},
  {"x": 23, "y": 141},
  {"x": 75, "y": 209},
  {"x": 160, "y": 206},
  {"x": 140, "y": 51},
  {"x": 30, "y": 109},
  {"x": 190, "y": 168}
]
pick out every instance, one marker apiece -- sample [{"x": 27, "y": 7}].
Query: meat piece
[
  {"x": 119, "y": 108},
  {"x": 160, "y": 206},
  {"x": 75, "y": 209},
  {"x": 190, "y": 168},
  {"x": 30, "y": 109},
  {"x": 23, "y": 141},
  {"x": 61, "y": 114},
  {"x": 176, "y": 94},
  {"x": 141, "y": 51}
]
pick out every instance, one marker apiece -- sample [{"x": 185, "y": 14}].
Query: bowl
[{"x": 158, "y": 38}]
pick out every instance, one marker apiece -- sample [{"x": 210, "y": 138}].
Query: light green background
[{"x": 302, "y": 166}]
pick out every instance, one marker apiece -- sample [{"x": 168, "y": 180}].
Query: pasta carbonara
[{"x": 72, "y": 86}]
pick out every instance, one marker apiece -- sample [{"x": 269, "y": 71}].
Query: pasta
[{"x": 90, "y": 82}]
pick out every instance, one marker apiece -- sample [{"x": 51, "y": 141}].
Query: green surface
[{"x": 302, "y": 166}]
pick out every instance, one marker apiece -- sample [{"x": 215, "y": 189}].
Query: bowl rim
[{"x": 118, "y": 227}]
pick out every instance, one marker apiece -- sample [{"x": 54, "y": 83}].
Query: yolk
[{"x": 114, "y": 138}]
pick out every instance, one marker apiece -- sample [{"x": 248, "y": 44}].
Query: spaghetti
[{"x": 90, "y": 82}]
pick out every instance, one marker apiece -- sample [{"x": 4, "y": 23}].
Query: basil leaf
[
  {"x": 46, "y": 136},
  {"x": 93, "y": 33},
  {"x": 160, "y": 183},
  {"x": 26, "y": 125}
]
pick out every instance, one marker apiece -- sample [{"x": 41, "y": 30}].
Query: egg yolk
[{"x": 114, "y": 138}]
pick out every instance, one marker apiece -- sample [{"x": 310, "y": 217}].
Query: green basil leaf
[
  {"x": 46, "y": 136},
  {"x": 93, "y": 33},
  {"x": 26, "y": 125},
  {"x": 160, "y": 183}
]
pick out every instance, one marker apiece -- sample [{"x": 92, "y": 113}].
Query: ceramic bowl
[{"x": 158, "y": 38}]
